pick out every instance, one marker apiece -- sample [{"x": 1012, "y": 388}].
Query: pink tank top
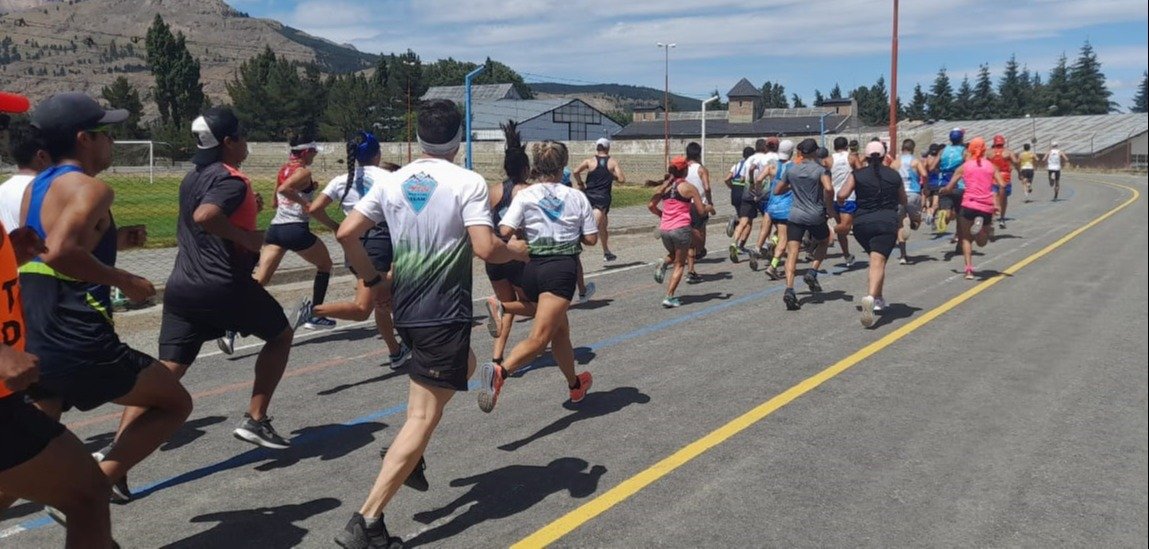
[
  {"x": 675, "y": 208},
  {"x": 978, "y": 185}
]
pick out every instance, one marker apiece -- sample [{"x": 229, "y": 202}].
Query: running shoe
[
  {"x": 671, "y": 302},
  {"x": 584, "y": 382},
  {"x": 879, "y": 304},
  {"x": 850, "y": 260},
  {"x": 730, "y": 225},
  {"x": 494, "y": 315},
  {"x": 319, "y": 323},
  {"x": 226, "y": 343},
  {"x": 791, "y": 300},
  {"x": 693, "y": 278},
  {"x": 811, "y": 280},
  {"x": 915, "y": 224},
  {"x": 942, "y": 223},
  {"x": 660, "y": 270},
  {"x": 773, "y": 273},
  {"x": 753, "y": 259},
  {"x": 397, "y": 359},
  {"x": 771, "y": 244},
  {"x": 260, "y": 433},
  {"x": 1001, "y": 223},
  {"x": 928, "y": 219},
  {"x": 733, "y": 253},
  {"x": 868, "y": 308},
  {"x": 969, "y": 273},
  {"x": 589, "y": 293},
  {"x": 121, "y": 494},
  {"x": 302, "y": 313},
  {"x": 607, "y": 256},
  {"x": 417, "y": 480},
  {"x": 491, "y": 378},
  {"x": 357, "y": 535},
  {"x": 700, "y": 254},
  {"x": 903, "y": 261},
  {"x": 978, "y": 223}
]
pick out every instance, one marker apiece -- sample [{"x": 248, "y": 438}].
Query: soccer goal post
[{"x": 139, "y": 157}]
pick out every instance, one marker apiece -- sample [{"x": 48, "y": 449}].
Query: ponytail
[{"x": 352, "y": 150}]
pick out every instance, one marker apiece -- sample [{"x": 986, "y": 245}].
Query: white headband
[
  {"x": 305, "y": 146},
  {"x": 441, "y": 149}
]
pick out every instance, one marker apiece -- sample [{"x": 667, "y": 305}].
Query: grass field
[{"x": 156, "y": 205}]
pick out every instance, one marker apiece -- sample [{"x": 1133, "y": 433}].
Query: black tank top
[
  {"x": 672, "y": 193},
  {"x": 500, "y": 209},
  {"x": 877, "y": 191},
  {"x": 600, "y": 180}
]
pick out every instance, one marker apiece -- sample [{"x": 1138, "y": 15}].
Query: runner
[
  {"x": 880, "y": 193},
  {"x": 979, "y": 202},
  {"x": 601, "y": 172},
  {"x": 736, "y": 182},
  {"x": 557, "y": 223},
  {"x": 40, "y": 460},
  {"x": 779, "y": 206},
  {"x": 813, "y": 196},
  {"x": 679, "y": 200},
  {"x": 506, "y": 278},
  {"x": 1054, "y": 159},
  {"x": 757, "y": 197},
  {"x": 364, "y": 159},
  {"x": 434, "y": 209},
  {"x": 290, "y": 228},
  {"x": 948, "y": 161},
  {"x": 855, "y": 158},
  {"x": 1004, "y": 160},
  {"x": 933, "y": 182},
  {"x": 840, "y": 170},
  {"x": 31, "y": 158},
  {"x": 1026, "y": 162},
  {"x": 699, "y": 176},
  {"x": 67, "y": 291},
  {"x": 913, "y": 172}
]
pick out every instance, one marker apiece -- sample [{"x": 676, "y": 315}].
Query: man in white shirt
[
  {"x": 1054, "y": 159},
  {"x": 30, "y": 158}
]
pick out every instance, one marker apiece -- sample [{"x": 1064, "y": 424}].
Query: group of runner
[{"x": 408, "y": 236}]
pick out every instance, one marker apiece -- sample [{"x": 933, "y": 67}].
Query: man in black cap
[
  {"x": 67, "y": 290},
  {"x": 813, "y": 204},
  {"x": 211, "y": 290}
]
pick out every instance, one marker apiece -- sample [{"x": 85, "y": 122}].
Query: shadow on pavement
[
  {"x": 388, "y": 374},
  {"x": 613, "y": 266},
  {"x": 711, "y": 277},
  {"x": 272, "y": 526},
  {"x": 822, "y": 297},
  {"x": 355, "y": 334},
  {"x": 343, "y": 439},
  {"x": 582, "y": 356},
  {"x": 594, "y": 405},
  {"x": 507, "y": 491},
  {"x": 915, "y": 259},
  {"x": 892, "y": 312},
  {"x": 191, "y": 430},
  {"x": 22, "y": 510},
  {"x": 592, "y": 304},
  {"x": 703, "y": 298}
]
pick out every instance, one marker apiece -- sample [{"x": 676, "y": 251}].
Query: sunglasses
[
  {"x": 103, "y": 128},
  {"x": 4, "y": 121}
]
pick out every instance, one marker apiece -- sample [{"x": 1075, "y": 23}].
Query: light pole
[
  {"x": 711, "y": 100},
  {"x": 894, "y": 80},
  {"x": 410, "y": 64},
  {"x": 1033, "y": 125},
  {"x": 467, "y": 86},
  {"x": 666, "y": 104}
]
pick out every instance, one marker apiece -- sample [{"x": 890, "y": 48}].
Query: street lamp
[
  {"x": 666, "y": 104},
  {"x": 408, "y": 63},
  {"x": 711, "y": 100}
]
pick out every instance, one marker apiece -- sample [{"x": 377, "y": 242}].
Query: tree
[
  {"x": 1139, "y": 99},
  {"x": 962, "y": 108},
  {"x": 918, "y": 104},
  {"x": 818, "y": 98},
  {"x": 405, "y": 80},
  {"x": 450, "y": 72},
  {"x": 718, "y": 105},
  {"x": 121, "y": 95},
  {"x": 984, "y": 103},
  {"x": 880, "y": 102},
  {"x": 797, "y": 102},
  {"x": 1011, "y": 91},
  {"x": 1091, "y": 96},
  {"x": 273, "y": 101},
  {"x": 353, "y": 103},
  {"x": 941, "y": 96},
  {"x": 774, "y": 96},
  {"x": 835, "y": 92},
  {"x": 1058, "y": 99},
  {"x": 178, "y": 91}
]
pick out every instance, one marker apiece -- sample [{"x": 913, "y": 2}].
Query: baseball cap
[
  {"x": 602, "y": 142},
  {"x": 679, "y": 162},
  {"x": 1054, "y": 144},
  {"x": 875, "y": 147},
  {"x": 999, "y": 140},
  {"x": 786, "y": 148},
  {"x": 69, "y": 112},
  {"x": 13, "y": 103},
  {"x": 210, "y": 129}
]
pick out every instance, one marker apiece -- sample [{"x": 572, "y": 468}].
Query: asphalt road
[{"x": 1018, "y": 416}]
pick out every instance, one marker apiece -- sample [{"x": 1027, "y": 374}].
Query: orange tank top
[
  {"x": 11, "y": 313},
  {"x": 1001, "y": 161}
]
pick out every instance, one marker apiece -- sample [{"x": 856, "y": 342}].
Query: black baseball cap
[
  {"x": 808, "y": 147},
  {"x": 210, "y": 129},
  {"x": 70, "y": 112}
]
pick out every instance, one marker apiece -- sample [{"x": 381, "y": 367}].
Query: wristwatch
[{"x": 371, "y": 283}]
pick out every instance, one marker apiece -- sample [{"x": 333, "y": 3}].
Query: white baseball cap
[{"x": 602, "y": 142}]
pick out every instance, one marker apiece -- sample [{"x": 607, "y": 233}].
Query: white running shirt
[
  {"x": 11, "y": 195},
  {"x": 694, "y": 179},
  {"x": 365, "y": 178},
  {"x": 554, "y": 218},
  {"x": 840, "y": 170},
  {"x": 1053, "y": 160}
]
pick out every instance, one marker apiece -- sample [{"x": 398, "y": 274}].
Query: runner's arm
[
  {"x": 318, "y": 210},
  {"x": 349, "y": 235},
  {"x": 616, "y": 171},
  {"x": 923, "y": 175},
  {"x": 652, "y": 205},
  {"x": 949, "y": 188},
  {"x": 18, "y": 369},
  {"x": 999, "y": 196},
  {"x": 294, "y": 185},
  {"x": 784, "y": 185},
  {"x": 73, "y": 237},
  {"x": 576, "y": 174},
  {"x": 696, "y": 201},
  {"x": 212, "y": 219},
  {"x": 828, "y": 197},
  {"x": 847, "y": 188},
  {"x": 704, "y": 174}
]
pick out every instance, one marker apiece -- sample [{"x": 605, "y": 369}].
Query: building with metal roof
[
  {"x": 539, "y": 119},
  {"x": 483, "y": 92}
]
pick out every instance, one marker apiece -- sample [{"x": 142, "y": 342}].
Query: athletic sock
[
  {"x": 775, "y": 261},
  {"x": 319, "y": 287}
]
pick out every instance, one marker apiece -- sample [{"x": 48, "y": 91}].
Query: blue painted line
[{"x": 259, "y": 454}]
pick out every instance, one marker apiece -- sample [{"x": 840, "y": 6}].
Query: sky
[{"x": 804, "y": 45}]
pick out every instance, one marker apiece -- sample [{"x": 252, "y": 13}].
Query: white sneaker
[
  {"x": 978, "y": 223},
  {"x": 879, "y": 304},
  {"x": 868, "y": 311},
  {"x": 850, "y": 261},
  {"x": 590, "y": 289}
]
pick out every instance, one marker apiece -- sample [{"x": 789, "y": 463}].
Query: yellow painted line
[{"x": 567, "y": 523}]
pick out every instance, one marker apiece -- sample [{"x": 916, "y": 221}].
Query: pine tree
[
  {"x": 406, "y": 79},
  {"x": 941, "y": 97},
  {"x": 1090, "y": 95},
  {"x": 178, "y": 91},
  {"x": 121, "y": 95},
  {"x": 1011, "y": 91},
  {"x": 797, "y": 102},
  {"x": 774, "y": 96},
  {"x": 878, "y": 103},
  {"x": 835, "y": 92},
  {"x": 1139, "y": 99},
  {"x": 984, "y": 101},
  {"x": 818, "y": 98},
  {"x": 918, "y": 104},
  {"x": 273, "y": 101},
  {"x": 963, "y": 102},
  {"x": 1058, "y": 96}
]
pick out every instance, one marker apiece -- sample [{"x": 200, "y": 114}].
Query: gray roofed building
[
  {"x": 763, "y": 127},
  {"x": 484, "y": 92},
  {"x": 539, "y": 119},
  {"x": 743, "y": 89}
]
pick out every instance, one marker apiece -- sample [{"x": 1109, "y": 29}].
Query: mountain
[
  {"x": 615, "y": 97},
  {"x": 48, "y": 46}
]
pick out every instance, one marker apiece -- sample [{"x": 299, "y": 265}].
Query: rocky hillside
[{"x": 48, "y": 46}]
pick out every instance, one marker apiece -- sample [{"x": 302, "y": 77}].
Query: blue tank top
[
  {"x": 909, "y": 174},
  {"x": 778, "y": 206},
  {"x": 953, "y": 156},
  {"x": 105, "y": 251}
]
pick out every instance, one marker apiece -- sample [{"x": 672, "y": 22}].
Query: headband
[
  {"x": 441, "y": 149},
  {"x": 305, "y": 146}
]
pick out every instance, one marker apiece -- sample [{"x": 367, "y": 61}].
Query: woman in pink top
[
  {"x": 672, "y": 203},
  {"x": 979, "y": 203}
]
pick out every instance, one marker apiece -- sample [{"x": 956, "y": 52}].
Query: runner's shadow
[
  {"x": 387, "y": 375},
  {"x": 711, "y": 277},
  {"x": 355, "y": 334},
  {"x": 689, "y": 299},
  {"x": 822, "y": 297},
  {"x": 592, "y": 304},
  {"x": 613, "y": 266},
  {"x": 188, "y": 433},
  {"x": 344, "y": 439},
  {"x": 710, "y": 258},
  {"x": 986, "y": 274},
  {"x": 892, "y": 312},
  {"x": 271, "y": 526},
  {"x": 22, "y": 510},
  {"x": 1004, "y": 236},
  {"x": 915, "y": 259},
  {"x": 582, "y": 356},
  {"x": 506, "y": 492},
  {"x": 594, "y": 405}
]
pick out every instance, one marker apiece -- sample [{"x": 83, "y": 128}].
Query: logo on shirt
[
  {"x": 552, "y": 206},
  {"x": 418, "y": 189}
]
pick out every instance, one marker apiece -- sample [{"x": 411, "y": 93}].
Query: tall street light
[
  {"x": 894, "y": 82},
  {"x": 666, "y": 104},
  {"x": 411, "y": 65}
]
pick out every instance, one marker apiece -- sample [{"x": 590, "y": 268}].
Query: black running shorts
[
  {"x": 511, "y": 271},
  {"x": 795, "y": 232},
  {"x": 877, "y": 231},
  {"x": 697, "y": 220},
  {"x": 24, "y": 431},
  {"x": 439, "y": 354},
  {"x": 250, "y": 311},
  {"x": 379, "y": 251},
  {"x": 91, "y": 382},
  {"x": 1027, "y": 175},
  {"x": 971, "y": 215},
  {"x": 736, "y": 193},
  {"x": 292, "y": 236},
  {"x": 599, "y": 201},
  {"x": 748, "y": 208},
  {"x": 556, "y": 274},
  {"x": 1054, "y": 177}
]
